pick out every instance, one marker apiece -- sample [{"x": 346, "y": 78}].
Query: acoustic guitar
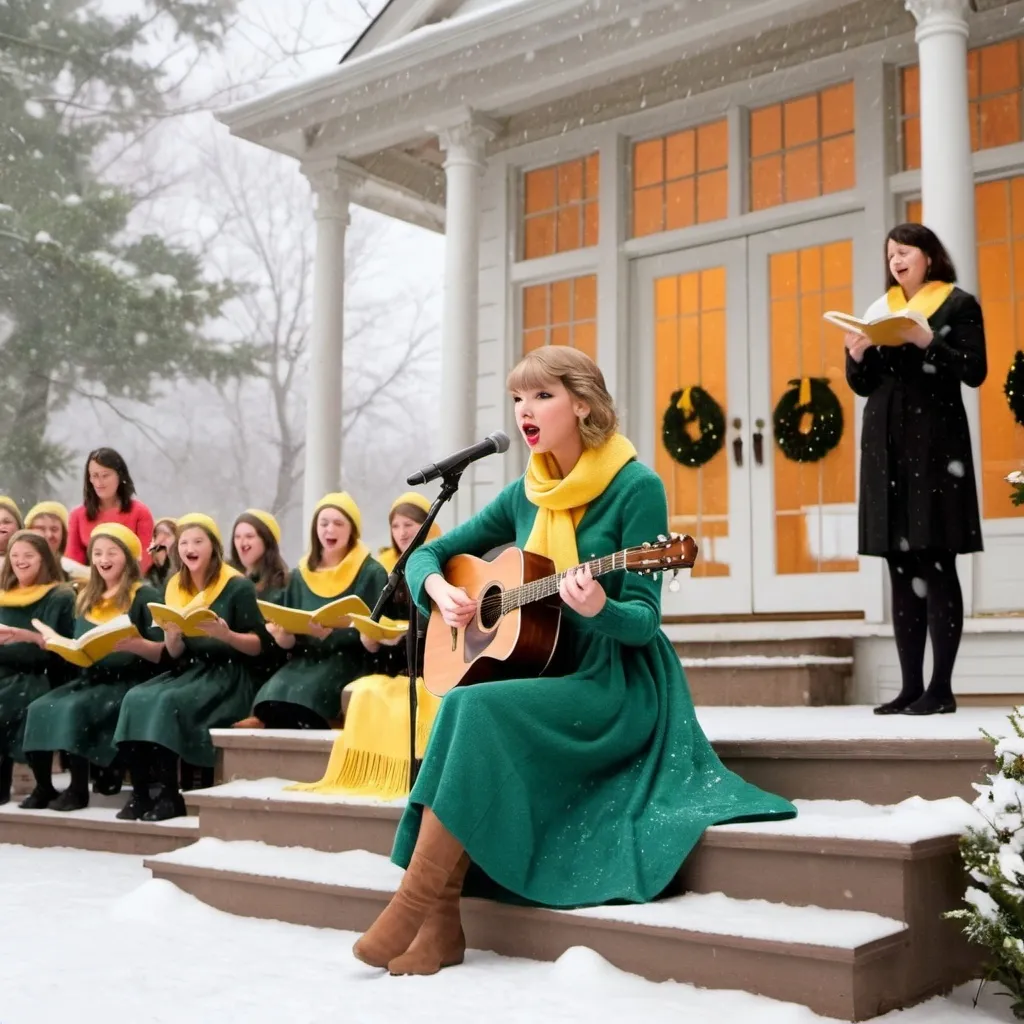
[{"x": 518, "y": 617}]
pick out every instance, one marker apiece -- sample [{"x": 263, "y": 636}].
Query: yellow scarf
[
  {"x": 929, "y": 297},
  {"x": 22, "y": 597},
  {"x": 106, "y": 608},
  {"x": 176, "y": 597},
  {"x": 388, "y": 557},
  {"x": 562, "y": 501},
  {"x": 335, "y": 581}
]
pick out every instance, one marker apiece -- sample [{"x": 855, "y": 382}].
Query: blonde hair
[{"x": 580, "y": 376}]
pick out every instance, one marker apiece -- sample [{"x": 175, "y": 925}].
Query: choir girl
[
  {"x": 10, "y": 522},
  {"x": 163, "y": 552},
  {"x": 256, "y": 553}
]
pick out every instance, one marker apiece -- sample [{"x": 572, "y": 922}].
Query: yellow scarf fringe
[
  {"x": 562, "y": 501},
  {"x": 929, "y": 297},
  {"x": 335, "y": 581},
  {"x": 370, "y": 758}
]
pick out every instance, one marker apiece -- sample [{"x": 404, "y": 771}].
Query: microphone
[{"x": 493, "y": 444}]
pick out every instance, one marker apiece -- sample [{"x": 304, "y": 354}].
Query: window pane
[
  {"x": 766, "y": 130},
  {"x": 648, "y": 163}
]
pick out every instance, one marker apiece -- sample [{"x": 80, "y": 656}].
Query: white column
[
  {"x": 322, "y": 471},
  {"x": 947, "y": 174},
  {"x": 464, "y": 148}
]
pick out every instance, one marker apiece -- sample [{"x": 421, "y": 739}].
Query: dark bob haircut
[{"x": 940, "y": 267}]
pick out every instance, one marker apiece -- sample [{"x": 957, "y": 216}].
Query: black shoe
[
  {"x": 931, "y": 705},
  {"x": 168, "y": 805},
  {"x": 898, "y": 705},
  {"x": 6, "y": 778},
  {"x": 38, "y": 799},
  {"x": 136, "y": 807},
  {"x": 70, "y": 800},
  {"x": 108, "y": 782}
]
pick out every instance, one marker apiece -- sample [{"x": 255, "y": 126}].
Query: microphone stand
[{"x": 449, "y": 486}]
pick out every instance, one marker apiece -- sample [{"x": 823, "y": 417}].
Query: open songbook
[
  {"x": 382, "y": 631},
  {"x": 188, "y": 623},
  {"x": 95, "y": 645},
  {"x": 887, "y": 329},
  {"x": 77, "y": 572},
  {"x": 334, "y": 615}
]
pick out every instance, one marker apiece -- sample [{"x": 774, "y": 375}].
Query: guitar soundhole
[{"x": 490, "y": 607}]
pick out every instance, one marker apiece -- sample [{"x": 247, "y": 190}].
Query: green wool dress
[
  {"x": 26, "y": 671},
  {"x": 210, "y": 687},
  {"x": 81, "y": 716},
  {"x": 584, "y": 788},
  {"x": 316, "y": 671}
]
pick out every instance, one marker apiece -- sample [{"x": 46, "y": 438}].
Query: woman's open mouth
[{"x": 531, "y": 433}]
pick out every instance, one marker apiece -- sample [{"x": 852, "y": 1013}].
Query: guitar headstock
[{"x": 666, "y": 554}]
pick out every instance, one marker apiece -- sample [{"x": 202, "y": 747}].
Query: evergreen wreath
[
  {"x": 808, "y": 421},
  {"x": 1014, "y": 387},
  {"x": 688, "y": 406}
]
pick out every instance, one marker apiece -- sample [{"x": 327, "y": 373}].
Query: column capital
[
  {"x": 333, "y": 183},
  {"x": 935, "y": 17},
  {"x": 465, "y": 135}
]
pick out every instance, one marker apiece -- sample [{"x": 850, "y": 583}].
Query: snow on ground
[{"x": 89, "y": 938}]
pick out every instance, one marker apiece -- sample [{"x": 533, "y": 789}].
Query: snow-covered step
[
  {"x": 845, "y": 855},
  {"x": 846, "y": 964},
  {"x": 768, "y": 680},
  {"x": 95, "y": 828},
  {"x": 299, "y": 754}
]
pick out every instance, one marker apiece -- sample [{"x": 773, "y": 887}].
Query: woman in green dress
[
  {"x": 305, "y": 692},
  {"x": 581, "y": 788},
  {"x": 81, "y": 716},
  {"x": 210, "y": 684},
  {"x": 30, "y": 588}
]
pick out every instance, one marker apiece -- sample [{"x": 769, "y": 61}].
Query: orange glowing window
[
  {"x": 560, "y": 207},
  {"x": 995, "y": 80},
  {"x": 802, "y": 148},
  {"x": 681, "y": 179},
  {"x": 561, "y": 313}
]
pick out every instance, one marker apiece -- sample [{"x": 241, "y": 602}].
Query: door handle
[
  {"x": 759, "y": 442},
  {"x": 737, "y": 442}
]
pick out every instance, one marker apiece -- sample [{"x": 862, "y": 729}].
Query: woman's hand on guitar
[
  {"x": 581, "y": 592},
  {"x": 457, "y": 608}
]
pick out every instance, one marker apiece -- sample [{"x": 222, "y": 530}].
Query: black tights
[
  {"x": 281, "y": 714},
  {"x": 149, "y": 763},
  {"x": 926, "y": 601}
]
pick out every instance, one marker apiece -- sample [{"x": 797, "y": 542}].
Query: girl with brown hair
[
  {"x": 210, "y": 685},
  {"x": 256, "y": 553},
  {"x": 583, "y": 788},
  {"x": 163, "y": 552},
  {"x": 31, "y": 587},
  {"x": 10, "y": 522},
  {"x": 81, "y": 716},
  {"x": 305, "y": 692}
]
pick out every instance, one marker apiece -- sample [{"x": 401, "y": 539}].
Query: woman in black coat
[{"x": 918, "y": 497}]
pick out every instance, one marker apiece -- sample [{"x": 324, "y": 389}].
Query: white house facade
[{"x": 681, "y": 189}]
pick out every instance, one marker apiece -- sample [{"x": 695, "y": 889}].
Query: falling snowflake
[
  {"x": 955, "y": 468},
  {"x": 35, "y": 109},
  {"x": 43, "y": 238},
  {"x": 904, "y": 544},
  {"x": 919, "y": 587}
]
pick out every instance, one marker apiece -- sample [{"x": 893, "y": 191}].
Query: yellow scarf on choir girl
[
  {"x": 22, "y": 597},
  {"x": 926, "y": 301},
  {"x": 106, "y": 608},
  {"x": 177, "y": 598},
  {"x": 334, "y": 581},
  {"x": 388, "y": 557},
  {"x": 562, "y": 501}
]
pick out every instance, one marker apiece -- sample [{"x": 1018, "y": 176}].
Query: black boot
[
  {"x": 6, "y": 779},
  {"x": 108, "y": 781},
  {"x": 41, "y": 763},
  {"x": 138, "y": 759},
  {"x": 76, "y": 796},
  {"x": 169, "y": 803}
]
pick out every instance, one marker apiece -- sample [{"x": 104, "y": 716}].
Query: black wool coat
[{"x": 917, "y": 485}]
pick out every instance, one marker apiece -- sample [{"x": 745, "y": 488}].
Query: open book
[
  {"x": 187, "y": 623},
  {"x": 77, "y": 572},
  {"x": 385, "y": 629},
  {"x": 887, "y": 329},
  {"x": 95, "y": 645},
  {"x": 335, "y": 615}
]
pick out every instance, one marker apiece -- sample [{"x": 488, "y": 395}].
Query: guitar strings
[{"x": 508, "y": 600}]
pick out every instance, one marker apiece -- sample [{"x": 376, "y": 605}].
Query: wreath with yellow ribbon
[
  {"x": 693, "y": 428},
  {"x": 808, "y": 420},
  {"x": 1014, "y": 387}
]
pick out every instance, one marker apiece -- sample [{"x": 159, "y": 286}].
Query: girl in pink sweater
[{"x": 109, "y": 497}]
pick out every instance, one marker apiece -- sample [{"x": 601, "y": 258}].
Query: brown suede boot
[
  {"x": 440, "y": 942},
  {"x": 436, "y": 855}
]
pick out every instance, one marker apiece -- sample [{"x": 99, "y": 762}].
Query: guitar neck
[{"x": 547, "y": 586}]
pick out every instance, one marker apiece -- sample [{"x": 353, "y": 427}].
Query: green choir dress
[
  {"x": 316, "y": 671},
  {"x": 81, "y": 716},
  {"x": 588, "y": 787},
  {"x": 210, "y": 687},
  {"x": 26, "y": 671}
]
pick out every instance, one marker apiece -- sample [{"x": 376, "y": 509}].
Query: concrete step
[
  {"x": 758, "y": 680},
  {"x": 95, "y": 828},
  {"x": 299, "y": 754},
  {"x": 841, "y": 963}
]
